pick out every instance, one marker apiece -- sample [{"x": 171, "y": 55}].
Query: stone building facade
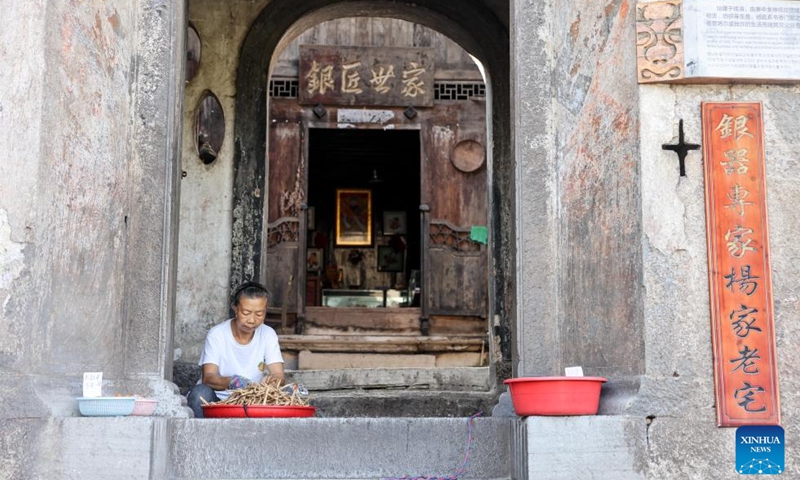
[{"x": 597, "y": 245}]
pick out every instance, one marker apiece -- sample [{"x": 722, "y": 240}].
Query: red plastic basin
[
  {"x": 279, "y": 411},
  {"x": 555, "y": 395},
  {"x": 223, "y": 411},
  {"x": 257, "y": 411}
]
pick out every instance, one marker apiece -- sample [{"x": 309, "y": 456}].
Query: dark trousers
[{"x": 193, "y": 398}]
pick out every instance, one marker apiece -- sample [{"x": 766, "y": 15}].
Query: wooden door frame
[{"x": 305, "y": 127}]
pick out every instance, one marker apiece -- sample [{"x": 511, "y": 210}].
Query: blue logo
[{"x": 760, "y": 450}]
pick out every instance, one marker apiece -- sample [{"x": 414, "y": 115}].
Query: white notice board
[{"x": 742, "y": 39}]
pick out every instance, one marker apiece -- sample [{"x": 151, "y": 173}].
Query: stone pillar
[
  {"x": 578, "y": 203},
  {"x": 597, "y": 148},
  {"x": 155, "y": 173},
  {"x": 86, "y": 201},
  {"x": 537, "y": 329}
]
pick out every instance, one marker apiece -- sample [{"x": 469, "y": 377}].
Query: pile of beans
[{"x": 267, "y": 393}]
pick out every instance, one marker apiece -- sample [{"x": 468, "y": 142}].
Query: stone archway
[{"x": 472, "y": 24}]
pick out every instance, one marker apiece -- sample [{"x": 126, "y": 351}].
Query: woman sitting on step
[{"x": 238, "y": 351}]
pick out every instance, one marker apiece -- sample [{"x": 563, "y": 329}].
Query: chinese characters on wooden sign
[
  {"x": 366, "y": 76},
  {"x": 745, "y": 369}
]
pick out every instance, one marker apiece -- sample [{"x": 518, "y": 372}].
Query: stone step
[
  {"x": 341, "y": 448},
  {"x": 470, "y": 379},
  {"x": 399, "y": 403},
  {"x": 159, "y": 448},
  {"x": 131, "y": 448}
]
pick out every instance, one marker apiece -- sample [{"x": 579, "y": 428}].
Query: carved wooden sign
[
  {"x": 743, "y": 335},
  {"x": 702, "y": 41},
  {"x": 384, "y": 76}
]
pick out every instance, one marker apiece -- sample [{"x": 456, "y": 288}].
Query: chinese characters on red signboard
[
  {"x": 366, "y": 76},
  {"x": 745, "y": 369}
]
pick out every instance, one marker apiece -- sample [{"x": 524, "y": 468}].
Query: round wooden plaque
[{"x": 468, "y": 156}]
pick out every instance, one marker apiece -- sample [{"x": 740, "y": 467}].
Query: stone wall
[
  {"x": 612, "y": 245},
  {"x": 678, "y": 389},
  {"x": 205, "y": 212}
]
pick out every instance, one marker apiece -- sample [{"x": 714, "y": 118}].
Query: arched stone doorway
[
  {"x": 476, "y": 26},
  {"x": 402, "y": 283},
  {"x": 561, "y": 217}
]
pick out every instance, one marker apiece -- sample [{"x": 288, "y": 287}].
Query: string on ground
[{"x": 458, "y": 472}]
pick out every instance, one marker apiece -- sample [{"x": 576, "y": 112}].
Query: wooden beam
[
  {"x": 391, "y": 319},
  {"x": 336, "y": 361},
  {"x": 381, "y": 344}
]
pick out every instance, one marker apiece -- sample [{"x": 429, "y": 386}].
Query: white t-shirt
[{"x": 233, "y": 358}]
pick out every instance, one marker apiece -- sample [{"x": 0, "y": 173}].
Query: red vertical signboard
[{"x": 745, "y": 368}]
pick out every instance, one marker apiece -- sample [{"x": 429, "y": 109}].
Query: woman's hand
[
  {"x": 237, "y": 381},
  {"x": 213, "y": 379},
  {"x": 275, "y": 374}
]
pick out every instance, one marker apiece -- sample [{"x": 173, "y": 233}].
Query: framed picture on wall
[
  {"x": 394, "y": 223},
  {"x": 353, "y": 217},
  {"x": 390, "y": 260},
  {"x": 314, "y": 260}
]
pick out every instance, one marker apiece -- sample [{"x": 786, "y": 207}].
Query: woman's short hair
[{"x": 250, "y": 290}]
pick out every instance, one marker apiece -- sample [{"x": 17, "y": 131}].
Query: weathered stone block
[
  {"x": 127, "y": 448},
  {"x": 20, "y": 444},
  {"x": 338, "y": 448},
  {"x": 686, "y": 448},
  {"x": 587, "y": 447}
]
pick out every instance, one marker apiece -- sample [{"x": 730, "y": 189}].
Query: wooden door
[
  {"x": 285, "y": 196},
  {"x": 456, "y": 278}
]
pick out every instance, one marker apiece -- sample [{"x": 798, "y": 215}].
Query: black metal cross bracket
[{"x": 681, "y": 148}]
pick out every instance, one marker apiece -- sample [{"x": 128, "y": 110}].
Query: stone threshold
[
  {"x": 475, "y": 379},
  {"x": 402, "y": 403}
]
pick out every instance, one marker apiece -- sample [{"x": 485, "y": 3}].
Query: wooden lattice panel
[
  {"x": 285, "y": 230},
  {"x": 458, "y": 240}
]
